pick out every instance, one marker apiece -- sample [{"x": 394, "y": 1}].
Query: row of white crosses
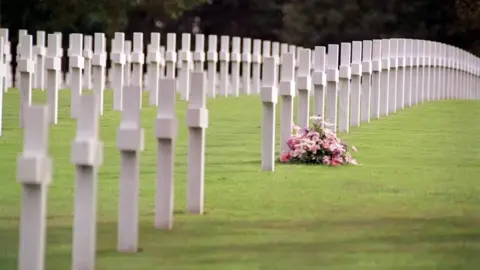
[
  {"x": 382, "y": 60},
  {"x": 87, "y": 150},
  {"x": 39, "y": 58},
  {"x": 241, "y": 54},
  {"x": 26, "y": 68},
  {"x": 250, "y": 61},
  {"x": 374, "y": 79},
  {"x": 248, "y": 58},
  {"x": 438, "y": 80},
  {"x": 7, "y": 58},
  {"x": 94, "y": 62},
  {"x": 35, "y": 167},
  {"x": 386, "y": 81},
  {"x": 136, "y": 60}
]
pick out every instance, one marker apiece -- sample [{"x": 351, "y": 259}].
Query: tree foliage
[
  {"x": 87, "y": 16},
  {"x": 313, "y": 22},
  {"x": 469, "y": 12},
  {"x": 306, "y": 22}
]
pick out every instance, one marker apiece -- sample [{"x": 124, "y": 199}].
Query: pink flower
[
  {"x": 336, "y": 155},
  {"x": 292, "y": 142},
  {"x": 326, "y": 160},
  {"x": 329, "y": 133},
  {"x": 337, "y": 158},
  {"x": 335, "y": 163},
  {"x": 325, "y": 145},
  {"x": 285, "y": 157},
  {"x": 312, "y": 134},
  {"x": 310, "y": 143}
]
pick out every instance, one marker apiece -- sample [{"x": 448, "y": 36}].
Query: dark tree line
[{"x": 307, "y": 22}]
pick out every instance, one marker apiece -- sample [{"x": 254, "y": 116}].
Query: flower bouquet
[{"x": 317, "y": 145}]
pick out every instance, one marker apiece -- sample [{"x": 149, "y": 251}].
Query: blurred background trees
[{"x": 301, "y": 22}]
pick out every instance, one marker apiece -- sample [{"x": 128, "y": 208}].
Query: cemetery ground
[{"x": 413, "y": 204}]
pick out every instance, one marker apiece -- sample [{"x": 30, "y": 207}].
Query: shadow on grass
[
  {"x": 206, "y": 242},
  {"x": 236, "y": 164}
]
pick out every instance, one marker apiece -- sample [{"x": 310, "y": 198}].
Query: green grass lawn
[{"x": 413, "y": 204}]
